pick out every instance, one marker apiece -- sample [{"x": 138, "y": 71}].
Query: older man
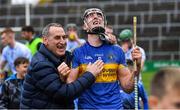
[{"x": 44, "y": 86}]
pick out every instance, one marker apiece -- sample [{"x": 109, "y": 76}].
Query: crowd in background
[{"x": 16, "y": 57}]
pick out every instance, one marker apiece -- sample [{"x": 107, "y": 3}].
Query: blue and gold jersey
[{"x": 104, "y": 93}]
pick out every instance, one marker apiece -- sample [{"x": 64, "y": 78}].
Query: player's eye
[{"x": 99, "y": 14}]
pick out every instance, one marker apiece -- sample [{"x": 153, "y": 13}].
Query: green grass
[{"x": 146, "y": 78}]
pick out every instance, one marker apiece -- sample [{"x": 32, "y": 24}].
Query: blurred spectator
[
  {"x": 33, "y": 42},
  {"x": 109, "y": 32},
  {"x": 165, "y": 89},
  {"x": 12, "y": 50},
  {"x": 73, "y": 39},
  {"x": 12, "y": 87},
  {"x": 126, "y": 42}
]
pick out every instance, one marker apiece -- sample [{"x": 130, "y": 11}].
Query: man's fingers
[
  {"x": 62, "y": 66},
  {"x": 99, "y": 64},
  {"x": 65, "y": 70}
]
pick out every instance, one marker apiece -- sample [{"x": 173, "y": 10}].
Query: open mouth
[
  {"x": 61, "y": 47},
  {"x": 96, "y": 22}
]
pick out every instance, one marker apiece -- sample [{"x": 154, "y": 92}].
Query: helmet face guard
[{"x": 97, "y": 29}]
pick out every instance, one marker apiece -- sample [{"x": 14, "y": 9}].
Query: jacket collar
[{"x": 52, "y": 57}]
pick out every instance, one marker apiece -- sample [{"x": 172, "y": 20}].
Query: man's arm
[
  {"x": 74, "y": 72},
  {"x": 48, "y": 81},
  {"x": 2, "y": 65},
  {"x": 73, "y": 75},
  {"x": 125, "y": 77}
]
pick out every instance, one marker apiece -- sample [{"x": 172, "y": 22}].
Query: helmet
[
  {"x": 90, "y": 10},
  {"x": 125, "y": 34},
  {"x": 98, "y": 29}
]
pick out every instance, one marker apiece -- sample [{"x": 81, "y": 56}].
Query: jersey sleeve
[
  {"x": 121, "y": 57},
  {"x": 75, "y": 59}
]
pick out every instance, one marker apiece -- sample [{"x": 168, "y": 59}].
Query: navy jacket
[{"x": 43, "y": 87}]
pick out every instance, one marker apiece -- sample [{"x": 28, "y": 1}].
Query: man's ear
[
  {"x": 153, "y": 102},
  {"x": 45, "y": 40}
]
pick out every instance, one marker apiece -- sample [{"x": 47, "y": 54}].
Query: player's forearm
[{"x": 128, "y": 83}]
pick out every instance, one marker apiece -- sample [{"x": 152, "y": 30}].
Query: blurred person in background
[
  {"x": 12, "y": 50},
  {"x": 12, "y": 87},
  {"x": 109, "y": 32},
  {"x": 165, "y": 89},
  {"x": 44, "y": 85},
  {"x": 4, "y": 73},
  {"x": 126, "y": 42},
  {"x": 73, "y": 39},
  {"x": 104, "y": 93},
  {"x": 34, "y": 42}
]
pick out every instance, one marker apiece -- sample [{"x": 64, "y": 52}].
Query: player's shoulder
[
  {"x": 79, "y": 49},
  {"x": 117, "y": 47}
]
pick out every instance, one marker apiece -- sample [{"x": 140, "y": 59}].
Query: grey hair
[{"x": 45, "y": 31}]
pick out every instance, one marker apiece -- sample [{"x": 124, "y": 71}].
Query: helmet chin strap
[{"x": 100, "y": 31}]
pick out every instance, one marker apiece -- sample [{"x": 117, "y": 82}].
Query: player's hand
[
  {"x": 63, "y": 71},
  {"x": 95, "y": 68},
  {"x": 137, "y": 55}
]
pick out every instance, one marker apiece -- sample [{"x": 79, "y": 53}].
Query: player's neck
[
  {"x": 12, "y": 43},
  {"x": 94, "y": 40}
]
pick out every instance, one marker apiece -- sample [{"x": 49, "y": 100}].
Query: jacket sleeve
[
  {"x": 4, "y": 96},
  {"x": 49, "y": 81}
]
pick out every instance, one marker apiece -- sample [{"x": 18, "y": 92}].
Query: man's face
[
  {"x": 126, "y": 45},
  {"x": 6, "y": 39},
  {"x": 94, "y": 19},
  {"x": 56, "y": 40},
  {"x": 25, "y": 35},
  {"x": 171, "y": 100},
  {"x": 71, "y": 30}
]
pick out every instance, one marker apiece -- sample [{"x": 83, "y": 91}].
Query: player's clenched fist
[
  {"x": 137, "y": 55},
  {"x": 63, "y": 70}
]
